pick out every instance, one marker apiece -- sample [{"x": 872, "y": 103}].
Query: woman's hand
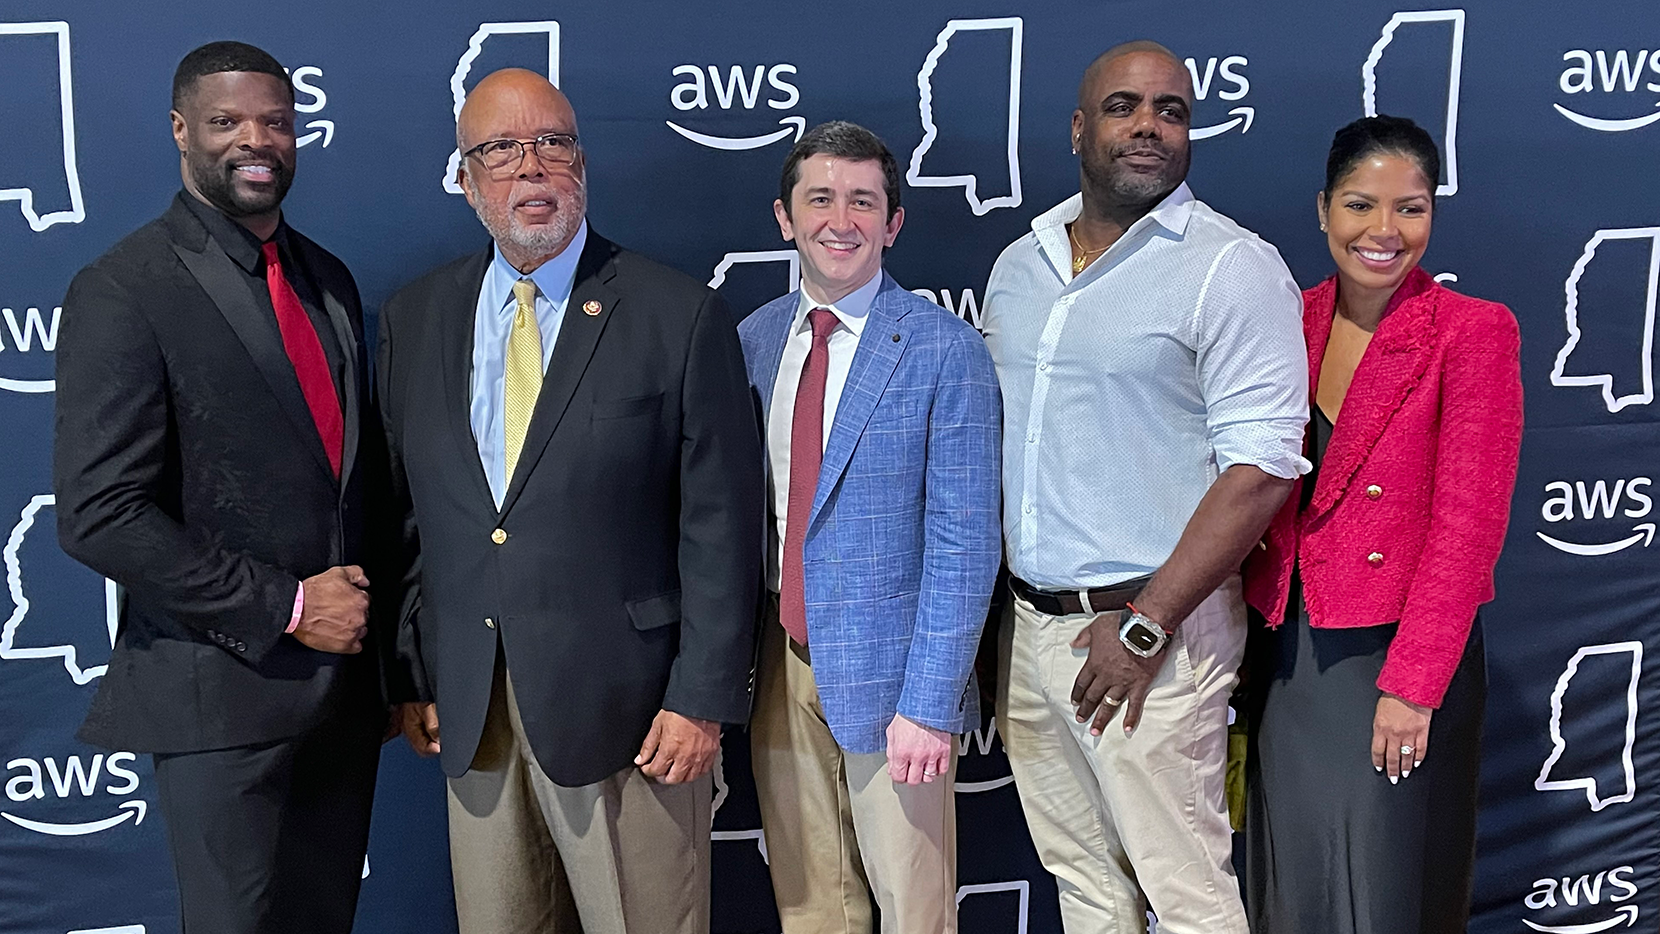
[{"x": 1400, "y": 736}]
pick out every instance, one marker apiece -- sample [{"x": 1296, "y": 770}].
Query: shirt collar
[
  {"x": 554, "y": 278},
  {"x": 238, "y": 242},
  {"x": 852, "y": 310},
  {"x": 1172, "y": 214}
]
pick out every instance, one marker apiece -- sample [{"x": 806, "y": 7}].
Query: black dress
[{"x": 1331, "y": 846}]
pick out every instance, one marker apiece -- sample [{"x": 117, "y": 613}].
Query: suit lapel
[
  {"x": 454, "y": 314},
  {"x": 873, "y": 364},
  {"x": 227, "y": 286},
  {"x": 350, "y": 342},
  {"x": 579, "y": 334},
  {"x": 1394, "y": 362},
  {"x": 350, "y": 398},
  {"x": 774, "y": 334}
]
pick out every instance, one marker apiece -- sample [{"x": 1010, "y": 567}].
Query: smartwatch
[{"x": 1141, "y": 635}]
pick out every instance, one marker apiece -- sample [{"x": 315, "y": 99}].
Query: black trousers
[
  {"x": 1331, "y": 846},
  {"x": 270, "y": 839}
]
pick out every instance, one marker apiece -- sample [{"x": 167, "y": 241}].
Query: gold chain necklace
[{"x": 1083, "y": 258}]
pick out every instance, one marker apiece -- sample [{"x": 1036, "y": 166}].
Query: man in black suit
[
  {"x": 214, "y": 445},
  {"x": 575, "y": 446}
]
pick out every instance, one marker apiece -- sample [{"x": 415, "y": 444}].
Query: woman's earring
[{"x": 1322, "y": 228}]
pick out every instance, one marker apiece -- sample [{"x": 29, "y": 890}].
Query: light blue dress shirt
[{"x": 492, "y": 321}]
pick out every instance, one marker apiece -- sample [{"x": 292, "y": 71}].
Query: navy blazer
[{"x": 904, "y": 538}]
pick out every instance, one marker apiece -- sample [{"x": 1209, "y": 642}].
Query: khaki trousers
[
  {"x": 838, "y": 829},
  {"x": 624, "y": 854},
  {"x": 1121, "y": 821}
]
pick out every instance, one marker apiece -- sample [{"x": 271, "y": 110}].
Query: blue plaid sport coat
[{"x": 904, "y": 538}]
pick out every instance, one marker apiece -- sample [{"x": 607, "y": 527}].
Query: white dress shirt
[
  {"x": 850, "y": 314},
  {"x": 1126, "y": 391}
]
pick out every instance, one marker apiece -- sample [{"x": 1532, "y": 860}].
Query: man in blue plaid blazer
[{"x": 882, "y": 416}]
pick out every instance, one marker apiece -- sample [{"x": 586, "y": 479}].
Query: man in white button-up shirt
[{"x": 1155, "y": 389}]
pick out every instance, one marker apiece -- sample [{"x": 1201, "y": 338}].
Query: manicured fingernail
[
  {"x": 1417, "y": 762},
  {"x": 1405, "y": 772},
  {"x": 1394, "y": 780},
  {"x": 1377, "y": 768}
]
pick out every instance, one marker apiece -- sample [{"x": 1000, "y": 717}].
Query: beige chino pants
[
  {"x": 1126, "y": 821},
  {"x": 838, "y": 829},
  {"x": 624, "y": 855}
]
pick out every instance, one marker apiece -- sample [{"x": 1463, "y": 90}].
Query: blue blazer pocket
[
  {"x": 655, "y": 612},
  {"x": 623, "y": 408}
]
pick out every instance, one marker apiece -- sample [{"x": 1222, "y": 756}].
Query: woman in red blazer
[{"x": 1369, "y": 678}]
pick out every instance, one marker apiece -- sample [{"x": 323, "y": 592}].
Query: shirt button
[
  {"x": 1027, "y": 510},
  {"x": 1031, "y": 439},
  {"x": 499, "y": 536},
  {"x": 1044, "y": 367},
  {"x": 489, "y": 623},
  {"x": 1375, "y": 559}
]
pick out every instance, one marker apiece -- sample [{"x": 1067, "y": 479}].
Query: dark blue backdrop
[{"x": 1551, "y": 205}]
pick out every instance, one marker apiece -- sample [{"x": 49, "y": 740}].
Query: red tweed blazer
[{"x": 1413, "y": 494}]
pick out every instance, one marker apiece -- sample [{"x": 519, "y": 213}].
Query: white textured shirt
[
  {"x": 1126, "y": 390},
  {"x": 850, "y": 315}
]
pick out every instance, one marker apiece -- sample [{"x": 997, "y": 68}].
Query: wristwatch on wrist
[{"x": 1141, "y": 635}]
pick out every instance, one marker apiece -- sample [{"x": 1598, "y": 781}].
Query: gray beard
[{"x": 541, "y": 239}]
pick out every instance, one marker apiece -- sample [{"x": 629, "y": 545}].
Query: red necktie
[
  {"x": 806, "y": 456},
  {"x": 305, "y": 352}
]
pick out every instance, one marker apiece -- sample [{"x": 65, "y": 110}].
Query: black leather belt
[{"x": 1072, "y": 602}]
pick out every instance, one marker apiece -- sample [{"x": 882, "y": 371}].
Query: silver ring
[
  {"x": 1406, "y": 750},
  {"x": 1111, "y": 701},
  {"x": 930, "y": 773}
]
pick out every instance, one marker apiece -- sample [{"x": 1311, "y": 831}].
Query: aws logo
[
  {"x": 1587, "y": 890},
  {"x": 1569, "y": 502},
  {"x": 1224, "y": 77},
  {"x": 1618, "y": 72},
  {"x": 72, "y": 778},
  {"x": 740, "y": 87},
  {"x": 32, "y": 332},
  {"x": 310, "y": 99}
]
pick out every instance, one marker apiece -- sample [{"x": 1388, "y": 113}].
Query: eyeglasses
[{"x": 499, "y": 155}]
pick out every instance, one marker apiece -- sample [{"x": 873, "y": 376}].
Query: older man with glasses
[{"x": 578, "y": 465}]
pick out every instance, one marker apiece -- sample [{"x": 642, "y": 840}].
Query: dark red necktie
[
  {"x": 305, "y": 351},
  {"x": 806, "y": 456}
]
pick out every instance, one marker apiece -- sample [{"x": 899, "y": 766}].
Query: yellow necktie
[{"x": 523, "y": 378}]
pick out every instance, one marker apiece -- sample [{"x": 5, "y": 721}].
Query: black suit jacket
[
  {"x": 622, "y": 572},
  {"x": 188, "y": 470}
]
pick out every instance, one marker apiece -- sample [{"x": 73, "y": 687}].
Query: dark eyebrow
[{"x": 1170, "y": 99}]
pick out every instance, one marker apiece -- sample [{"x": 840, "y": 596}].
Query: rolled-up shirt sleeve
[{"x": 1252, "y": 361}]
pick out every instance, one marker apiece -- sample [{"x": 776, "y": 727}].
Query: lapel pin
[
  {"x": 896, "y": 338},
  {"x": 590, "y": 308}
]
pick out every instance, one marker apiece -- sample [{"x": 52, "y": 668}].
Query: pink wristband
[{"x": 299, "y": 606}]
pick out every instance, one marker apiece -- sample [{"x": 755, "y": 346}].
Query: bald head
[
  {"x": 513, "y": 103},
  {"x": 1086, "y": 88}
]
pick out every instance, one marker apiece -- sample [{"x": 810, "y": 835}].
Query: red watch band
[{"x": 1131, "y": 607}]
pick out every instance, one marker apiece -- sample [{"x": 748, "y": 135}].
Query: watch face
[{"x": 1142, "y": 638}]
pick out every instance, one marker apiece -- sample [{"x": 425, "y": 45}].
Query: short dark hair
[
  {"x": 218, "y": 57},
  {"x": 845, "y": 140},
  {"x": 1394, "y": 135}
]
